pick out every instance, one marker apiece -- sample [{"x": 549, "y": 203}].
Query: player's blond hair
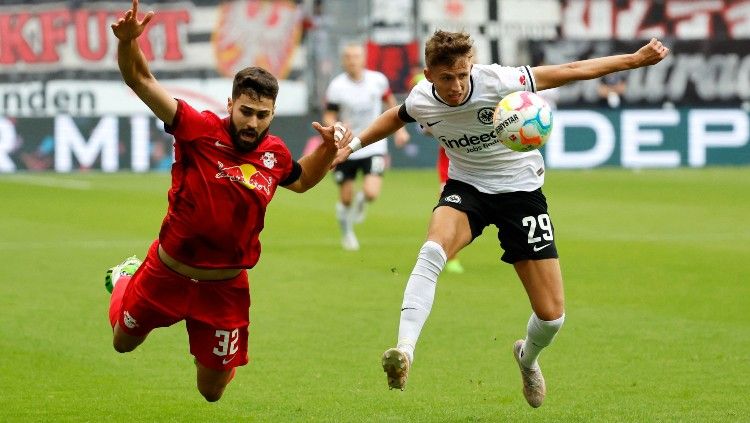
[{"x": 444, "y": 48}]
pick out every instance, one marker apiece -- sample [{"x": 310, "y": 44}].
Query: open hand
[
  {"x": 128, "y": 27},
  {"x": 336, "y": 135}
]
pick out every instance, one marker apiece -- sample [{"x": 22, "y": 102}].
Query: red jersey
[{"x": 219, "y": 195}]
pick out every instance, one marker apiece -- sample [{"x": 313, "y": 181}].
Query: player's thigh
[
  {"x": 450, "y": 228},
  {"x": 153, "y": 298},
  {"x": 218, "y": 323},
  {"x": 542, "y": 280},
  {"x": 458, "y": 218},
  {"x": 124, "y": 342}
]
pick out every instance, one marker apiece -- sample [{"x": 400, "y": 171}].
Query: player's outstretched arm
[
  {"x": 550, "y": 76},
  {"x": 316, "y": 164},
  {"x": 383, "y": 126},
  {"x": 134, "y": 67}
]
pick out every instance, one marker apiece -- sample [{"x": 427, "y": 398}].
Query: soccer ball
[{"x": 522, "y": 121}]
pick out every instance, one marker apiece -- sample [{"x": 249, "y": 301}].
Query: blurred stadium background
[
  {"x": 64, "y": 107},
  {"x": 652, "y": 217}
]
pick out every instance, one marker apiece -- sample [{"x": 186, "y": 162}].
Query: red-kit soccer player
[{"x": 226, "y": 171}]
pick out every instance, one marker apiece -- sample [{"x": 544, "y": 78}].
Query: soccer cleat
[
  {"x": 126, "y": 268},
  {"x": 454, "y": 266},
  {"x": 349, "y": 242},
  {"x": 534, "y": 388},
  {"x": 396, "y": 366}
]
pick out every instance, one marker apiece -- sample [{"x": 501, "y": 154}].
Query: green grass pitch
[{"x": 656, "y": 266}]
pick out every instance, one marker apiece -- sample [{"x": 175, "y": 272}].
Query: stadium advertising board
[
  {"x": 643, "y": 19},
  {"x": 696, "y": 73},
  {"x": 635, "y": 138},
  {"x": 50, "y": 39},
  {"x": 643, "y": 138},
  {"x": 98, "y": 98}
]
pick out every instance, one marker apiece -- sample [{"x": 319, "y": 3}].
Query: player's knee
[
  {"x": 551, "y": 308},
  {"x": 212, "y": 396},
  {"x": 552, "y": 312},
  {"x": 371, "y": 195},
  {"x": 212, "y": 393},
  {"x": 123, "y": 347}
]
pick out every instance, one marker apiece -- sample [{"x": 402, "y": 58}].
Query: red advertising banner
[
  {"x": 50, "y": 40},
  {"x": 682, "y": 19}
]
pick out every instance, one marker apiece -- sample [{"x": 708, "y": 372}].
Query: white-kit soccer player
[
  {"x": 488, "y": 184},
  {"x": 356, "y": 97}
]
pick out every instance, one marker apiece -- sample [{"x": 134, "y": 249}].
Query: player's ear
[
  {"x": 229, "y": 105},
  {"x": 427, "y": 74}
]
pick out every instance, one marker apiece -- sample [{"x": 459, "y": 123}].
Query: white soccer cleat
[
  {"x": 396, "y": 366},
  {"x": 349, "y": 242},
  {"x": 534, "y": 388}
]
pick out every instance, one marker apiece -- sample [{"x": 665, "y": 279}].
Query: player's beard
[{"x": 242, "y": 145}]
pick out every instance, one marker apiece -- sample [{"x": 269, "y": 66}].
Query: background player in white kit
[
  {"x": 488, "y": 185},
  {"x": 356, "y": 98}
]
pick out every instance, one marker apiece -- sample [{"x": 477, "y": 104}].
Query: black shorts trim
[{"x": 348, "y": 170}]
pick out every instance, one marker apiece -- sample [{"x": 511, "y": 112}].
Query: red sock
[{"x": 115, "y": 302}]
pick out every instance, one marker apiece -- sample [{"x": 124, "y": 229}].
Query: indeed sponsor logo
[{"x": 468, "y": 141}]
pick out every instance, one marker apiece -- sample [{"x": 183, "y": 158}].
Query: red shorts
[
  {"x": 217, "y": 313},
  {"x": 442, "y": 165}
]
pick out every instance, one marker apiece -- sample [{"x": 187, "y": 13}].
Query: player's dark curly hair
[
  {"x": 444, "y": 48},
  {"x": 255, "y": 82}
]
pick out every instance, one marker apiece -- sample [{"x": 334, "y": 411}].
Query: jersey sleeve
[
  {"x": 188, "y": 123},
  {"x": 333, "y": 100},
  {"x": 384, "y": 85},
  {"x": 293, "y": 175},
  {"x": 409, "y": 112},
  {"x": 510, "y": 79}
]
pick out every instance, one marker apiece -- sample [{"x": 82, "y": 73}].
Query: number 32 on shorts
[
  {"x": 227, "y": 342},
  {"x": 544, "y": 223}
]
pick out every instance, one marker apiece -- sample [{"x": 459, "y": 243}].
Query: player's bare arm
[
  {"x": 401, "y": 136},
  {"x": 316, "y": 164},
  {"x": 551, "y": 76},
  {"x": 134, "y": 67},
  {"x": 385, "y": 125}
]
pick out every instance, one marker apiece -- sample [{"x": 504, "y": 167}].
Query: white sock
[
  {"x": 419, "y": 295},
  {"x": 343, "y": 215},
  {"x": 360, "y": 201},
  {"x": 539, "y": 334}
]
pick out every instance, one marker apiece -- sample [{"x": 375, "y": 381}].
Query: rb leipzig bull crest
[
  {"x": 257, "y": 33},
  {"x": 247, "y": 175}
]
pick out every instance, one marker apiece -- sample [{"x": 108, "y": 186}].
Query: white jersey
[
  {"x": 551, "y": 96},
  {"x": 466, "y": 132},
  {"x": 359, "y": 103}
]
